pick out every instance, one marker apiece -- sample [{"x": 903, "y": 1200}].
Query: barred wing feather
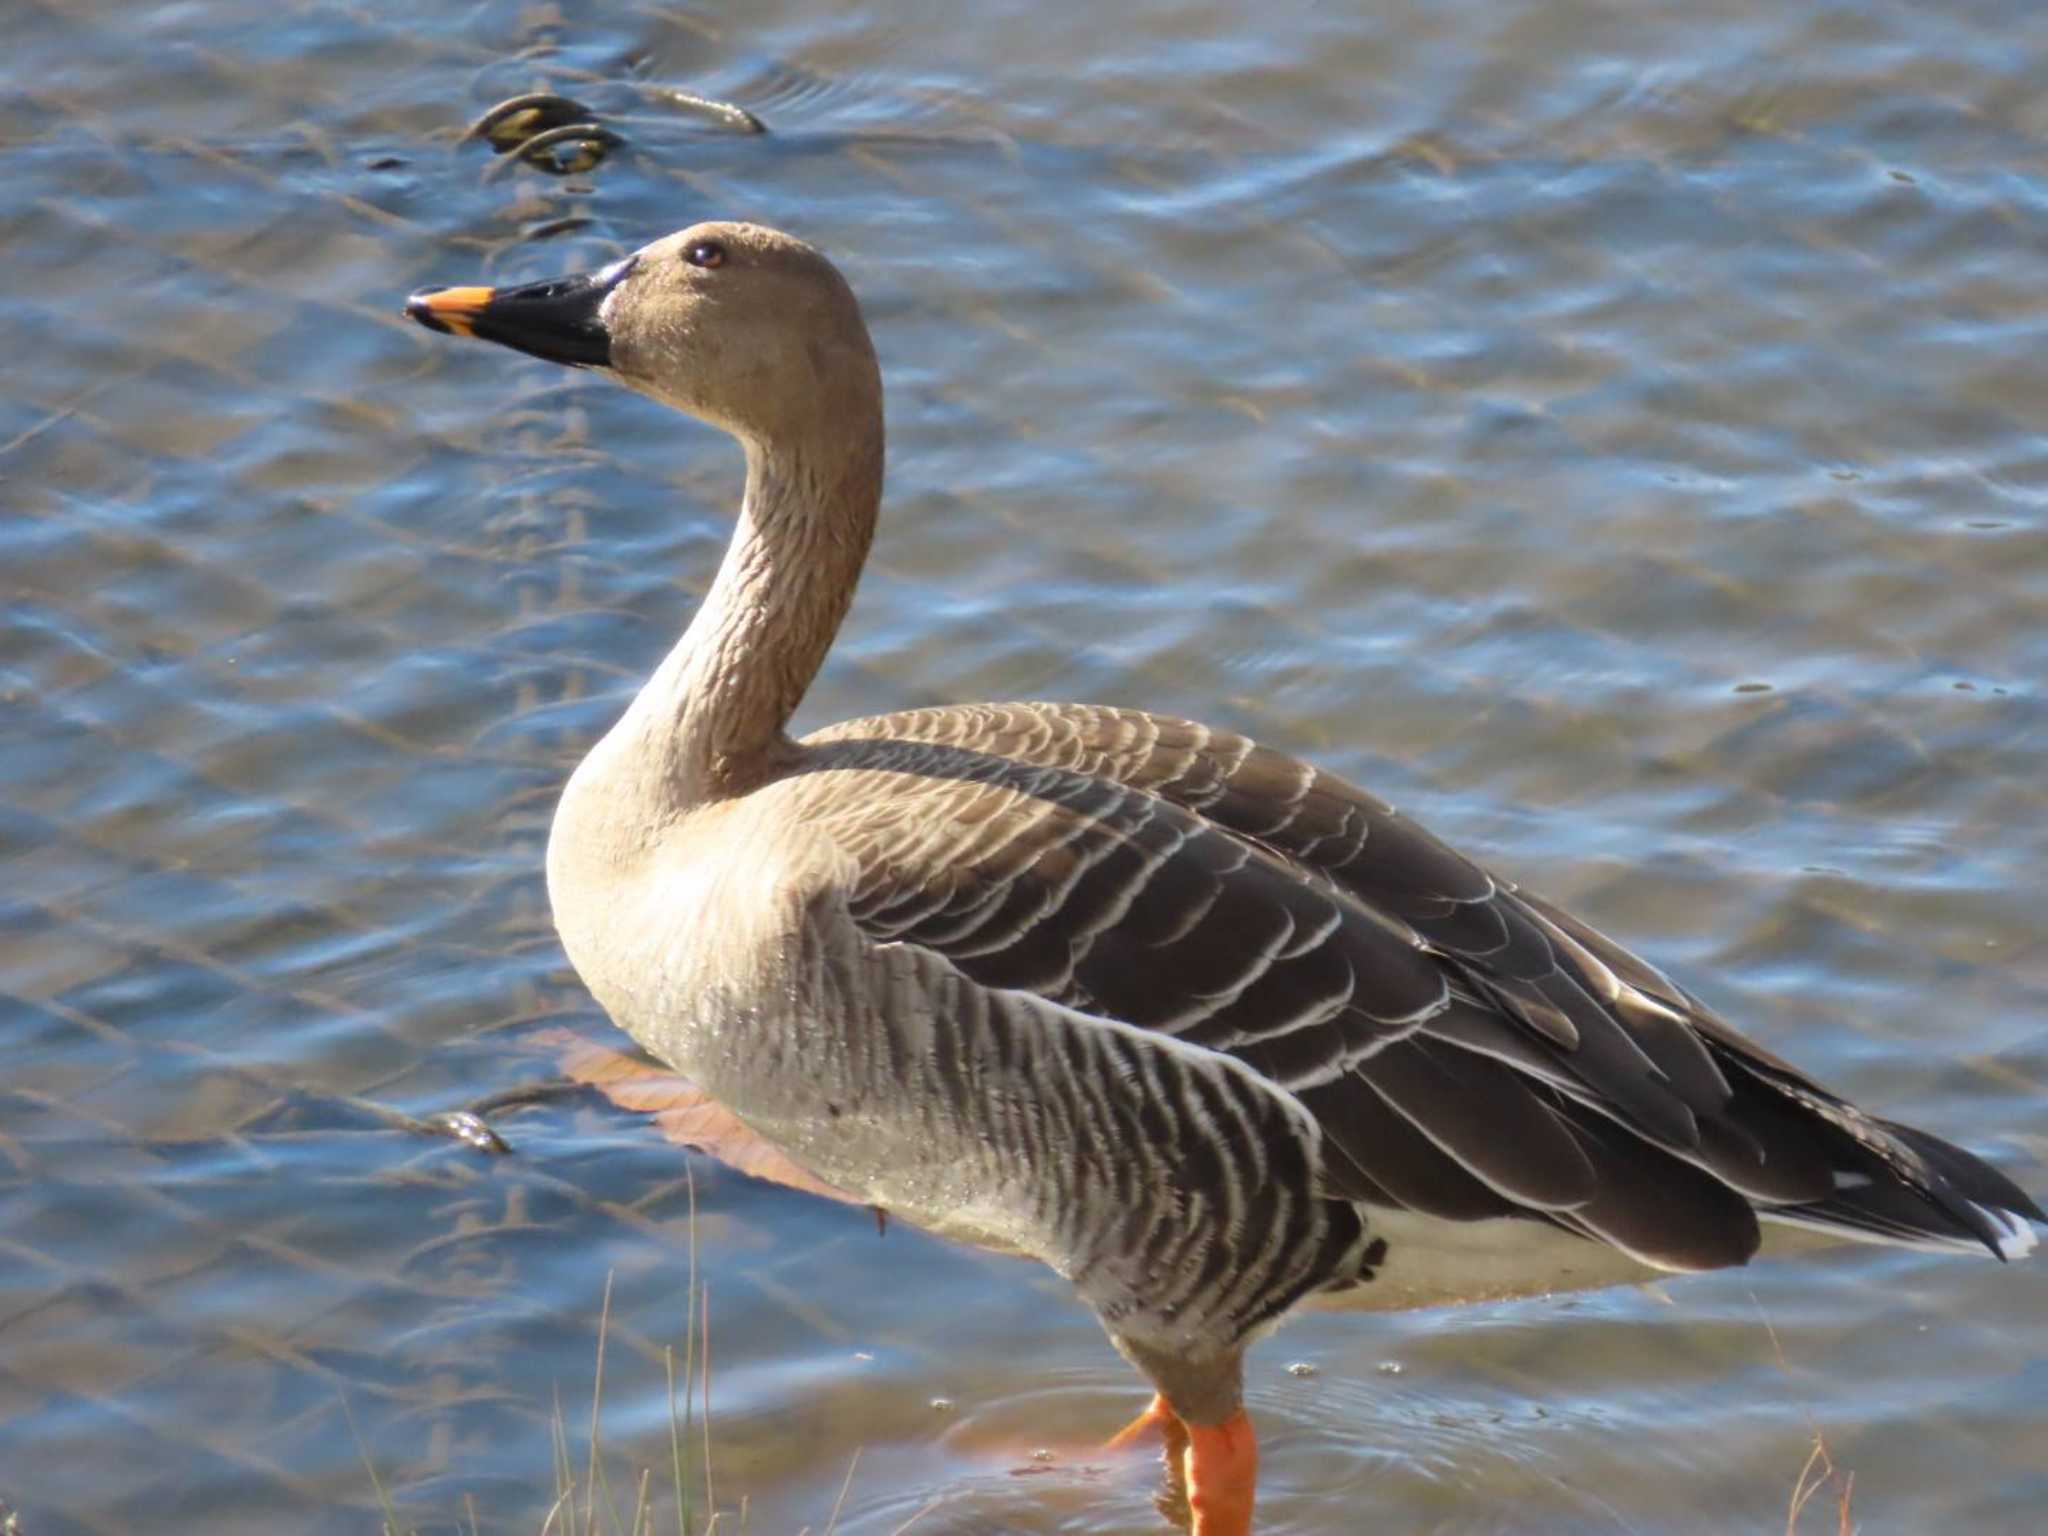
[{"x": 1466, "y": 1051}]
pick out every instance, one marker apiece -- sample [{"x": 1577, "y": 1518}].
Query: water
[{"x": 1614, "y": 434}]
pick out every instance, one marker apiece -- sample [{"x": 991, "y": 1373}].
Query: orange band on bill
[{"x": 456, "y": 308}]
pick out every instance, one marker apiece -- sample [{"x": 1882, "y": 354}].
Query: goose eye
[{"x": 705, "y": 253}]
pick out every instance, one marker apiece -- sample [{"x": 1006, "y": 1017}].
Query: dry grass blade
[
  {"x": 1818, "y": 1472},
  {"x": 594, "y": 1468},
  {"x": 846, "y": 1487},
  {"x": 675, "y": 1443},
  {"x": 362, "y": 1450},
  {"x": 565, "y": 1476},
  {"x": 689, "y": 1346},
  {"x": 704, "y": 1315},
  {"x": 1817, "y": 1475}
]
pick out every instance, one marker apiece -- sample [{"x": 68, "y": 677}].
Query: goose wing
[{"x": 1464, "y": 1050}]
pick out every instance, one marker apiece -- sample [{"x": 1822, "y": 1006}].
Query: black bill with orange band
[{"x": 559, "y": 320}]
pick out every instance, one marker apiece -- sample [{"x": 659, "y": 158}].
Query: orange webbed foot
[{"x": 1156, "y": 1417}]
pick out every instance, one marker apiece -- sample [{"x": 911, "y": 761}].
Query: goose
[{"x": 1206, "y": 1029}]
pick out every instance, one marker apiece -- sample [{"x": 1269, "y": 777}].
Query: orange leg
[{"x": 1221, "y": 1467}]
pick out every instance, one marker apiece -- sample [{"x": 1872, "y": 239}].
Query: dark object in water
[
  {"x": 562, "y": 136},
  {"x": 514, "y": 121},
  {"x": 731, "y": 114},
  {"x": 556, "y": 134}
]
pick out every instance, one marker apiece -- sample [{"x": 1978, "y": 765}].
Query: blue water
[{"x": 1616, "y": 435}]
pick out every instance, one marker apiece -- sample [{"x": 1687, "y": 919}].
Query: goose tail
[{"x": 1914, "y": 1190}]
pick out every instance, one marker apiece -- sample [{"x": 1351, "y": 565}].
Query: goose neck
[{"x": 719, "y": 705}]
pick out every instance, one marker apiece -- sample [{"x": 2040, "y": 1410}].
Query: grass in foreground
[
  {"x": 592, "y": 1506},
  {"x": 1819, "y": 1474}
]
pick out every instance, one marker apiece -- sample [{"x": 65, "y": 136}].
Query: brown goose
[{"x": 1203, "y": 1028}]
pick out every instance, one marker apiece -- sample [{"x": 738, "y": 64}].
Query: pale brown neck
[{"x": 711, "y": 720}]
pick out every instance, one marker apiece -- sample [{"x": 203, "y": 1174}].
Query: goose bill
[{"x": 561, "y": 320}]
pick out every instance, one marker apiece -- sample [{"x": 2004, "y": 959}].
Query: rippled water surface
[{"x": 1612, "y": 432}]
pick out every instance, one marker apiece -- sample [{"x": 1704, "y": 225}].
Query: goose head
[{"x": 738, "y": 325}]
